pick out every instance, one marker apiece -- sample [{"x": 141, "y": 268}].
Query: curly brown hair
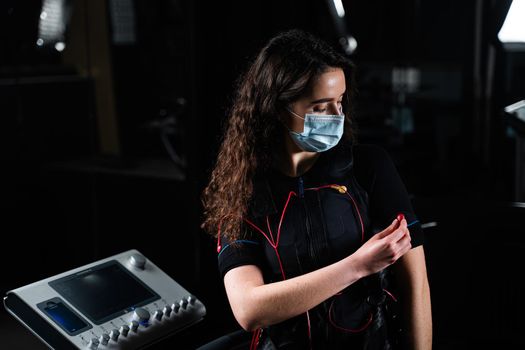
[{"x": 282, "y": 72}]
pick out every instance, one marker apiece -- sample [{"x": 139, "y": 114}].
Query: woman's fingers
[
  {"x": 398, "y": 233},
  {"x": 388, "y": 230},
  {"x": 399, "y": 240},
  {"x": 386, "y": 247},
  {"x": 404, "y": 244},
  {"x": 404, "y": 229}
]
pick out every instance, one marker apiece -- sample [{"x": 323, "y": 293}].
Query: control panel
[{"x": 121, "y": 302}]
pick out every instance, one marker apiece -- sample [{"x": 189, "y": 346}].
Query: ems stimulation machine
[{"x": 121, "y": 302}]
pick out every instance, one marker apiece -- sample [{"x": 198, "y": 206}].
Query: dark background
[{"x": 86, "y": 173}]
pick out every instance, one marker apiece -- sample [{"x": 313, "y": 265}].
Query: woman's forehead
[{"x": 328, "y": 85}]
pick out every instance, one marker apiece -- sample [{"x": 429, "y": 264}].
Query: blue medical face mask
[{"x": 321, "y": 132}]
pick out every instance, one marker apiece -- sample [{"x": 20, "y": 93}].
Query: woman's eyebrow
[{"x": 322, "y": 100}]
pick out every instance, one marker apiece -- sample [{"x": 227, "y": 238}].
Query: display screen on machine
[{"x": 104, "y": 292}]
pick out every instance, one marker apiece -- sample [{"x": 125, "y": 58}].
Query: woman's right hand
[{"x": 384, "y": 248}]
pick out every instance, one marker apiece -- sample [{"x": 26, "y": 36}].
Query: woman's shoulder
[
  {"x": 370, "y": 162},
  {"x": 369, "y": 152},
  {"x": 370, "y": 156}
]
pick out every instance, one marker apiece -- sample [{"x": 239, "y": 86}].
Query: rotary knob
[
  {"x": 167, "y": 311},
  {"x": 114, "y": 334},
  {"x": 124, "y": 330},
  {"x": 158, "y": 315},
  {"x": 191, "y": 300},
  {"x": 175, "y": 307},
  {"x": 93, "y": 344},
  {"x": 134, "y": 325},
  {"x": 137, "y": 261},
  {"x": 183, "y": 304},
  {"x": 104, "y": 338},
  {"x": 141, "y": 315}
]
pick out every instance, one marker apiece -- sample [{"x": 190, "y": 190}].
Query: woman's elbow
[
  {"x": 247, "y": 313},
  {"x": 247, "y": 320},
  {"x": 248, "y": 326},
  {"x": 246, "y": 303}
]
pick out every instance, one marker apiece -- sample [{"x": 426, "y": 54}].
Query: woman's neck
[{"x": 293, "y": 161}]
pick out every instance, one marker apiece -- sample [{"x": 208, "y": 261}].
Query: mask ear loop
[{"x": 295, "y": 114}]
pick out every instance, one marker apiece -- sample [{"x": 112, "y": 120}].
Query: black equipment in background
[{"x": 515, "y": 115}]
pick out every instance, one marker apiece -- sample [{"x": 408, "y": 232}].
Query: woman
[{"x": 317, "y": 241}]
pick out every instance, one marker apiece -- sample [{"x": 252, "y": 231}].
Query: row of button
[
  {"x": 141, "y": 316},
  {"x": 167, "y": 310}
]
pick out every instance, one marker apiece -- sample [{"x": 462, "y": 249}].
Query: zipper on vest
[
  {"x": 310, "y": 240},
  {"x": 308, "y": 223}
]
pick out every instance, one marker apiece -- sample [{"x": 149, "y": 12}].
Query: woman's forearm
[{"x": 256, "y": 304}]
